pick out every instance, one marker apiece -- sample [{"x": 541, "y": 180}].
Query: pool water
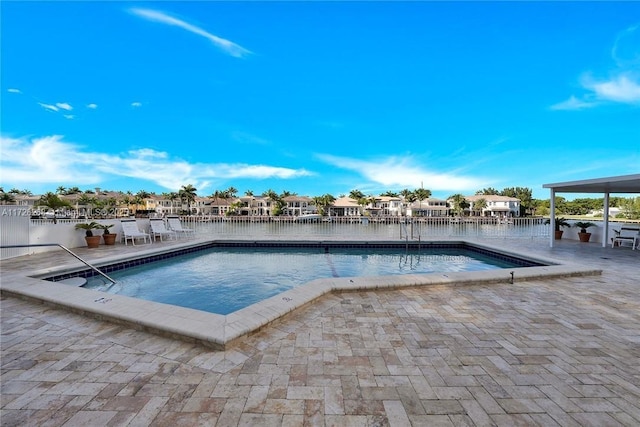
[{"x": 224, "y": 280}]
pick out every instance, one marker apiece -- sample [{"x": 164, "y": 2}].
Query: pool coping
[{"x": 221, "y": 331}]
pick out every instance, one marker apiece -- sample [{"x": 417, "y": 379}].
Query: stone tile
[{"x": 540, "y": 352}]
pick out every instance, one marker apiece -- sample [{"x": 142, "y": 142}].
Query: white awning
[{"x": 625, "y": 184}]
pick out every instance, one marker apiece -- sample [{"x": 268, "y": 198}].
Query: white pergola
[{"x": 625, "y": 184}]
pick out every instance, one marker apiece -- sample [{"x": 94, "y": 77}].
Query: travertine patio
[{"x": 549, "y": 352}]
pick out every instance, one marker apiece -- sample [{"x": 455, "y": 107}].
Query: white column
[
  {"x": 605, "y": 232},
  {"x": 552, "y": 218}
]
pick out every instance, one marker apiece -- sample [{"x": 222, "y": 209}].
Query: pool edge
[{"x": 220, "y": 332}]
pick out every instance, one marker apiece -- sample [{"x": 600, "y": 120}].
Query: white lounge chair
[
  {"x": 176, "y": 225},
  {"x": 627, "y": 235},
  {"x": 158, "y": 229},
  {"x": 130, "y": 231}
]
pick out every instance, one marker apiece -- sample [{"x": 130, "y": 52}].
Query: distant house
[
  {"x": 298, "y": 205},
  {"x": 498, "y": 206},
  {"x": 387, "y": 206},
  {"x": 218, "y": 206},
  {"x": 345, "y": 206},
  {"x": 430, "y": 207}
]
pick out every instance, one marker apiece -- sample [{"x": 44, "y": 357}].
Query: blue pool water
[{"x": 223, "y": 280}]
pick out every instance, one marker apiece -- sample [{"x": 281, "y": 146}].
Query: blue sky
[{"x": 318, "y": 97}]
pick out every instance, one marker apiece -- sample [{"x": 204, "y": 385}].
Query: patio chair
[
  {"x": 176, "y": 225},
  {"x": 627, "y": 235},
  {"x": 159, "y": 229},
  {"x": 130, "y": 231}
]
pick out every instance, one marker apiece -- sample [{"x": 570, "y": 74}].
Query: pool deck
[{"x": 559, "y": 347}]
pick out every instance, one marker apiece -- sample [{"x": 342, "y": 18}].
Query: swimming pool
[{"x": 222, "y": 279}]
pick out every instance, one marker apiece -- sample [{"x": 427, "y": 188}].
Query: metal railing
[
  {"x": 65, "y": 249},
  {"x": 338, "y": 228}
]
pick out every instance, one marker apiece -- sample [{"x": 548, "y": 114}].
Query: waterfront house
[
  {"x": 430, "y": 207},
  {"x": 496, "y": 206}
]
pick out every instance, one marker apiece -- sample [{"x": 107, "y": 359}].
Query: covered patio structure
[{"x": 624, "y": 184}]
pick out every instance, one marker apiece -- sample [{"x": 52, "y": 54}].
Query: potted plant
[
  {"x": 92, "y": 241},
  {"x": 108, "y": 237},
  {"x": 560, "y": 222},
  {"x": 583, "y": 225}
]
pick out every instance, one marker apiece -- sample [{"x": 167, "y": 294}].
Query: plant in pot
[
  {"x": 583, "y": 225},
  {"x": 560, "y": 222},
  {"x": 92, "y": 241},
  {"x": 108, "y": 237}
]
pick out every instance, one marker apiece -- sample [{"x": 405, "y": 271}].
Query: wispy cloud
[
  {"x": 52, "y": 160},
  {"x": 136, "y": 104},
  {"x": 64, "y": 106},
  {"x": 227, "y": 46},
  {"x": 48, "y": 106},
  {"x": 573, "y": 103},
  {"x": 13, "y": 90},
  {"x": 402, "y": 171},
  {"x": 69, "y": 116},
  {"x": 626, "y": 49},
  {"x": 92, "y": 106},
  {"x": 621, "y": 88},
  {"x": 622, "y": 85},
  {"x": 247, "y": 138}
]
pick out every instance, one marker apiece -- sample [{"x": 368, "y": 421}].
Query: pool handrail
[{"x": 67, "y": 250}]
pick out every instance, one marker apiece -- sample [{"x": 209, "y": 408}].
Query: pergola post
[
  {"x": 605, "y": 212},
  {"x": 552, "y": 218}
]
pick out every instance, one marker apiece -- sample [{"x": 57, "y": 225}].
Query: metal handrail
[{"x": 67, "y": 250}]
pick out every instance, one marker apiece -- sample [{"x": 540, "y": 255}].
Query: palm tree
[
  {"x": 406, "y": 193},
  {"x": 61, "y": 190},
  {"x": 487, "y": 192},
  {"x": 188, "y": 194},
  {"x": 356, "y": 194},
  {"x": 138, "y": 199},
  {"x": 459, "y": 203},
  {"x": 479, "y": 205},
  {"x": 324, "y": 201},
  {"x": 87, "y": 201},
  {"x": 362, "y": 202},
  {"x": 231, "y": 192},
  {"x": 421, "y": 194},
  {"x": 7, "y": 198},
  {"x": 277, "y": 201},
  {"x": 52, "y": 201}
]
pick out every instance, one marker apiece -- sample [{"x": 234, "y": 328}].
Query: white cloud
[
  {"x": 401, "y": 171},
  {"x": 573, "y": 103},
  {"x": 229, "y": 47},
  {"x": 69, "y": 116},
  {"x": 43, "y": 160},
  {"x": 12, "y": 90},
  {"x": 64, "y": 106},
  {"x": 48, "y": 106},
  {"x": 623, "y": 85},
  {"x": 136, "y": 104},
  {"x": 92, "y": 106},
  {"x": 626, "y": 49},
  {"x": 621, "y": 88},
  {"x": 51, "y": 159}
]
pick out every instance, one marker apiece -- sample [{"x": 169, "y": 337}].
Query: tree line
[{"x": 629, "y": 207}]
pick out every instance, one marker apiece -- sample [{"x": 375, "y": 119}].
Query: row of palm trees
[{"x": 187, "y": 194}]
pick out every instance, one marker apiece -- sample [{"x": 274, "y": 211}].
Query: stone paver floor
[{"x": 555, "y": 352}]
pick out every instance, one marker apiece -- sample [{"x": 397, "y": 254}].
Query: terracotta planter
[
  {"x": 109, "y": 239},
  {"x": 584, "y": 237},
  {"x": 93, "y": 241},
  {"x": 558, "y": 234}
]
